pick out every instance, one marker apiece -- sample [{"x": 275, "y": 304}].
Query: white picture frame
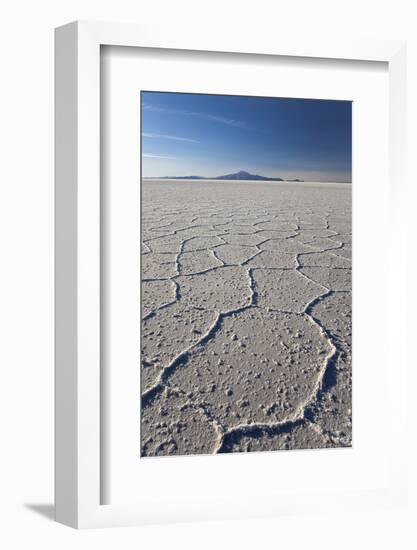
[{"x": 78, "y": 412}]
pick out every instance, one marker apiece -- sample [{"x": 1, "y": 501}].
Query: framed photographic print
[{"x": 221, "y": 345}]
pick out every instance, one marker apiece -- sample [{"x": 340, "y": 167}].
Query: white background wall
[{"x": 26, "y": 268}]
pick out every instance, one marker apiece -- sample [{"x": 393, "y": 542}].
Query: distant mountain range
[
  {"x": 246, "y": 176},
  {"x": 242, "y": 175}
]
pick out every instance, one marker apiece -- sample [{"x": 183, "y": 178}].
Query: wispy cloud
[
  {"x": 205, "y": 116},
  {"x": 152, "y": 156},
  {"x": 164, "y": 136}
]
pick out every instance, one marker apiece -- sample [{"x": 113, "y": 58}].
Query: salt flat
[{"x": 246, "y": 316}]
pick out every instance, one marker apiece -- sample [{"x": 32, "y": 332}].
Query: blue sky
[{"x": 213, "y": 135}]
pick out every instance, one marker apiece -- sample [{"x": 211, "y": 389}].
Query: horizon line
[
  {"x": 246, "y": 173},
  {"x": 217, "y": 178}
]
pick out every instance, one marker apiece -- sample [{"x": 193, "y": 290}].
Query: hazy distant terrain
[
  {"x": 237, "y": 176},
  {"x": 246, "y": 316}
]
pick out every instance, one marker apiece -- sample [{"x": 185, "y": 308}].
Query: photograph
[{"x": 245, "y": 274}]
